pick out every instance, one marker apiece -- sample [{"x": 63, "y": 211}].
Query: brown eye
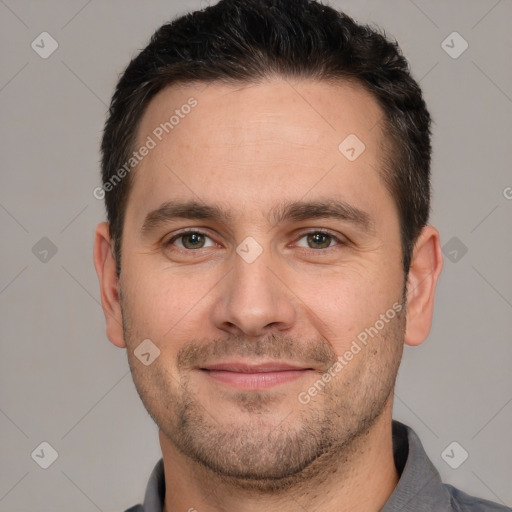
[
  {"x": 319, "y": 240},
  {"x": 190, "y": 240}
]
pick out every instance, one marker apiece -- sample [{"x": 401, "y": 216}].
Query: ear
[
  {"x": 426, "y": 266},
  {"x": 105, "y": 264}
]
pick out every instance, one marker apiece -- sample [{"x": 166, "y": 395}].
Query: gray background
[{"x": 61, "y": 381}]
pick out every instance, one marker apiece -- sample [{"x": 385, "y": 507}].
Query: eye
[
  {"x": 194, "y": 240},
  {"x": 190, "y": 240},
  {"x": 319, "y": 239}
]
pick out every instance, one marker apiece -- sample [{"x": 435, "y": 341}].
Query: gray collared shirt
[{"x": 419, "y": 489}]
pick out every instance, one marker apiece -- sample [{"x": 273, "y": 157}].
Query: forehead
[
  {"x": 259, "y": 143},
  {"x": 316, "y": 113}
]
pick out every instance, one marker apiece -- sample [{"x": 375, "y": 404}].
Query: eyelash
[{"x": 337, "y": 239}]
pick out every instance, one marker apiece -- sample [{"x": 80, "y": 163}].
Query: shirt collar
[
  {"x": 155, "y": 491},
  {"x": 419, "y": 487}
]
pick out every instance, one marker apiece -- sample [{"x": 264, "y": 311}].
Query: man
[{"x": 266, "y": 173}]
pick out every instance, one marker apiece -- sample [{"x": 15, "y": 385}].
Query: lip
[
  {"x": 243, "y": 367},
  {"x": 249, "y": 376}
]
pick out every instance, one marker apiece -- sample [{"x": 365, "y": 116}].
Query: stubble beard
[{"x": 263, "y": 455}]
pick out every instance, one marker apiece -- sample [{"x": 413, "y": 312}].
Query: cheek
[
  {"x": 155, "y": 303},
  {"x": 163, "y": 305},
  {"x": 352, "y": 302}
]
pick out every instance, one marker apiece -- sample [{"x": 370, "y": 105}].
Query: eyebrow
[{"x": 284, "y": 211}]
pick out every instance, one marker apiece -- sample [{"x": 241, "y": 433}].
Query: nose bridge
[
  {"x": 253, "y": 298},
  {"x": 251, "y": 278}
]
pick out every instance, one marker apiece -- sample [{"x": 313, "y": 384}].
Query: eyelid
[
  {"x": 185, "y": 232},
  {"x": 338, "y": 238}
]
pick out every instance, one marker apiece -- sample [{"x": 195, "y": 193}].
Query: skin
[{"x": 302, "y": 300}]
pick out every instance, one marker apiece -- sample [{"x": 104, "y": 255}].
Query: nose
[{"x": 253, "y": 299}]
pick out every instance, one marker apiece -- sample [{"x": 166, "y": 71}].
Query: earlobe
[
  {"x": 426, "y": 266},
  {"x": 105, "y": 265}
]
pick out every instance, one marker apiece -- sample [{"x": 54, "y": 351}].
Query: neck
[{"x": 361, "y": 478}]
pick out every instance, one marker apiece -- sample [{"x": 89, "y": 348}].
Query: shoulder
[{"x": 462, "y": 502}]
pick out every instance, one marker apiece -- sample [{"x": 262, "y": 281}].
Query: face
[{"x": 275, "y": 300}]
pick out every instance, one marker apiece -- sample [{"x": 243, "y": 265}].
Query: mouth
[{"x": 249, "y": 376}]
